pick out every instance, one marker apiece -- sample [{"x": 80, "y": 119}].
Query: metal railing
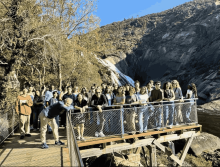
[
  {"x": 9, "y": 121},
  {"x": 133, "y": 118},
  {"x": 74, "y": 154}
]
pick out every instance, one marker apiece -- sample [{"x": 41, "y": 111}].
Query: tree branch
[
  {"x": 38, "y": 38},
  {"x": 4, "y": 5}
]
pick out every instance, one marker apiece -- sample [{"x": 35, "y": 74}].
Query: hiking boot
[
  {"x": 28, "y": 135},
  {"x": 44, "y": 146},
  {"x": 59, "y": 143}
]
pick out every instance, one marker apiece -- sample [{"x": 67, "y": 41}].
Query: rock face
[{"x": 181, "y": 43}]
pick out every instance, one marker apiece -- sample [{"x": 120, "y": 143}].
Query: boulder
[{"x": 205, "y": 143}]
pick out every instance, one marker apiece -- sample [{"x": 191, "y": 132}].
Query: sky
[{"x": 110, "y": 11}]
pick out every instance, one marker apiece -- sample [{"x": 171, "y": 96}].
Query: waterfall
[{"x": 116, "y": 75}]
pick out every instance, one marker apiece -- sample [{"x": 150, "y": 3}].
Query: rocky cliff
[{"x": 180, "y": 43}]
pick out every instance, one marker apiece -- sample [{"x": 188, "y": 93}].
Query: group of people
[{"x": 50, "y": 106}]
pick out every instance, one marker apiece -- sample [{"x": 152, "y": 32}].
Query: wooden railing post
[{"x": 153, "y": 158}]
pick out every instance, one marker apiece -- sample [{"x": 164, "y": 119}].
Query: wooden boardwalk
[{"x": 28, "y": 151}]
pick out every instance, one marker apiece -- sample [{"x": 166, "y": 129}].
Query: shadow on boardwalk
[{"x": 28, "y": 152}]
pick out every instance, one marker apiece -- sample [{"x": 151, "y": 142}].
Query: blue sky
[{"x": 110, "y": 11}]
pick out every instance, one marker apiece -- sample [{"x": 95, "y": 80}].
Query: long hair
[
  {"x": 144, "y": 89},
  {"x": 194, "y": 89},
  {"x": 165, "y": 85},
  {"x": 107, "y": 88},
  {"x": 175, "y": 81}
]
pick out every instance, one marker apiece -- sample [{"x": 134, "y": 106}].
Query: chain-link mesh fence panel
[
  {"x": 74, "y": 154},
  {"x": 92, "y": 124},
  {"x": 8, "y": 121}
]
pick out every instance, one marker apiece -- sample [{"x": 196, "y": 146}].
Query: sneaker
[
  {"x": 101, "y": 134},
  {"x": 78, "y": 138},
  {"x": 34, "y": 130},
  {"x": 145, "y": 131},
  {"x": 28, "y": 135},
  {"x": 44, "y": 146},
  {"x": 96, "y": 134},
  {"x": 169, "y": 127},
  {"x": 157, "y": 128},
  {"x": 59, "y": 143},
  {"x": 177, "y": 123},
  {"x": 21, "y": 137},
  {"x": 132, "y": 133},
  {"x": 82, "y": 138}
]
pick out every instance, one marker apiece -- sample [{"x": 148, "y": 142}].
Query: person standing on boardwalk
[
  {"x": 99, "y": 102},
  {"x": 47, "y": 116},
  {"x": 157, "y": 97},
  {"x": 23, "y": 109}
]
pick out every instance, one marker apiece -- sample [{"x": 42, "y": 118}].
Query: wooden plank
[
  {"x": 159, "y": 145},
  {"x": 176, "y": 159},
  {"x": 118, "y": 138},
  {"x": 153, "y": 158},
  {"x": 186, "y": 147},
  {"x": 126, "y": 146}
]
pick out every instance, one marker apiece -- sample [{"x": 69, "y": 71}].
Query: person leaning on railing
[
  {"x": 47, "y": 116},
  {"x": 168, "y": 107},
  {"x": 119, "y": 117},
  {"x": 99, "y": 102},
  {"x": 178, "y": 99},
  {"x": 156, "y": 98},
  {"x": 144, "y": 112},
  {"x": 23, "y": 109},
  {"x": 191, "y": 94},
  {"x": 130, "y": 111},
  {"x": 80, "y": 107},
  {"x": 109, "y": 115}
]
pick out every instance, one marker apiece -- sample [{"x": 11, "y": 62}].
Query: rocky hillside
[{"x": 180, "y": 43}]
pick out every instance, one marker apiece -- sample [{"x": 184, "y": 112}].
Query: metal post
[
  {"x": 13, "y": 120},
  {"x": 121, "y": 119}
]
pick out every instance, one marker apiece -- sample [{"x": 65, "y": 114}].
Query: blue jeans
[
  {"x": 144, "y": 114},
  {"x": 188, "y": 111},
  {"x": 36, "y": 111},
  {"x": 157, "y": 116},
  {"x": 168, "y": 112},
  {"x": 109, "y": 117},
  {"x": 117, "y": 121}
]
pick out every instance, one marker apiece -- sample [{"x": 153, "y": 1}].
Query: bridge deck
[
  {"x": 126, "y": 136},
  {"x": 28, "y": 152}
]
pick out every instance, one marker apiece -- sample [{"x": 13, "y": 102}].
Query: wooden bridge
[{"x": 28, "y": 152}]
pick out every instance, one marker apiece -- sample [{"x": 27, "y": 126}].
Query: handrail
[
  {"x": 78, "y": 160},
  {"x": 146, "y": 103}
]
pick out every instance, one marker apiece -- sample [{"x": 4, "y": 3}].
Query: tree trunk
[{"x": 60, "y": 76}]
